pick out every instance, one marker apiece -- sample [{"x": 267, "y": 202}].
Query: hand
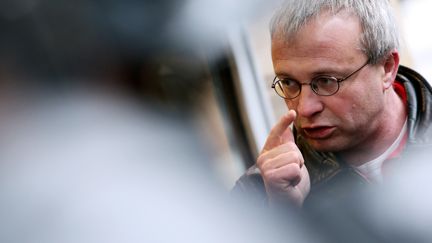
[{"x": 281, "y": 163}]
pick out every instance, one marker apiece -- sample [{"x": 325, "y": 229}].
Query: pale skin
[
  {"x": 359, "y": 122},
  {"x": 282, "y": 165}
]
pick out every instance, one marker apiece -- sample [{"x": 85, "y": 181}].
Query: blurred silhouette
[
  {"x": 86, "y": 169},
  {"x": 98, "y": 136},
  {"x": 97, "y": 126}
]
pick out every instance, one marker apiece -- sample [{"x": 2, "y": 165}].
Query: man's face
[{"x": 330, "y": 45}]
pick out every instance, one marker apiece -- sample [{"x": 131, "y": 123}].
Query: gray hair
[{"x": 380, "y": 34}]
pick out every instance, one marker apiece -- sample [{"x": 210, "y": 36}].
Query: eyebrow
[{"x": 316, "y": 73}]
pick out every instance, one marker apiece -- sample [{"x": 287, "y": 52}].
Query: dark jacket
[{"x": 331, "y": 179}]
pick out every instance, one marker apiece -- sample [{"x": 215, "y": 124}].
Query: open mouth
[{"x": 318, "y": 132}]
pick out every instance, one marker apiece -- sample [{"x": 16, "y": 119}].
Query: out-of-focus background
[
  {"x": 119, "y": 123},
  {"x": 108, "y": 105}
]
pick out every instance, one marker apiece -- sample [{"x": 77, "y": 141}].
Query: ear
[{"x": 391, "y": 66}]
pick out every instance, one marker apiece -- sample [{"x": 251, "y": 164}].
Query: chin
[{"x": 326, "y": 145}]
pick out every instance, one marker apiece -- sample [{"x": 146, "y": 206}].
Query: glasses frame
[{"x": 277, "y": 81}]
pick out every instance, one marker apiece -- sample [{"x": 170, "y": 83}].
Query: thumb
[{"x": 281, "y": 133}]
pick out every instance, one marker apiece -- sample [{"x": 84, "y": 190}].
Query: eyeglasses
[{"x": 321, "y": 85}]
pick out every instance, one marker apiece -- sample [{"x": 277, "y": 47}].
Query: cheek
[
  {"x": 361, "y": 107},
  {"x": 291, "y": 105},
  {"x": 345, "y": 110},
  {"x": 364, "y": 94}
]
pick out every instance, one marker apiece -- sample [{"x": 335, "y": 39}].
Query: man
[{"x": 354, "y": 111}]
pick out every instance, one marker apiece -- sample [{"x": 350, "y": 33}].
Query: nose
[{"x": 308, "y": 103}]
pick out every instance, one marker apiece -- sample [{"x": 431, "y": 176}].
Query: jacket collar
[{"x": 419, "y": 102}]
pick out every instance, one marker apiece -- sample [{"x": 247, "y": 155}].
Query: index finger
[{"x": 279, "y": 134}]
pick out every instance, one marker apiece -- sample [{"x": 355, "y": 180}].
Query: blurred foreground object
[
  {"x": 98, "y": 127},
  {"x": 169, "y": 53},
  {"x": 92, "y": 169}
]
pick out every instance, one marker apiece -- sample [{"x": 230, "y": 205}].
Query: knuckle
[
  {"x": 262, "y": 158},
  {"x": 291, "y": 157},
  {"x": 291, "y": 145},
  {"x": 275, "y": 176},
  {"x": 270, "y": 175},
  {"x": 260, "y": 161}
]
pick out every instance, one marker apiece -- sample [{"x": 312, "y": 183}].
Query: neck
[{"x": 386, "y": 130}]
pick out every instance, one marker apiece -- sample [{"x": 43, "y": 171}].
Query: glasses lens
[
  {"x": 287, "y": 88},
  {"x": 325, "y": 85}
]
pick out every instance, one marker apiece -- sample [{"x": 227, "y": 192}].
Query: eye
[
  {"x": 288, "y": 88},
  {"x": 325, "y": 85},
  {"x": 289, "y": 84},
  {"x": 324, "y": 81}
]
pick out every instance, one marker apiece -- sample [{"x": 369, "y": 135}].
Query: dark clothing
[{"x": 331, "y": 178}]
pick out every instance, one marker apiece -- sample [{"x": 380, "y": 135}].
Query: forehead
[{"x": 328, "y": 37}]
